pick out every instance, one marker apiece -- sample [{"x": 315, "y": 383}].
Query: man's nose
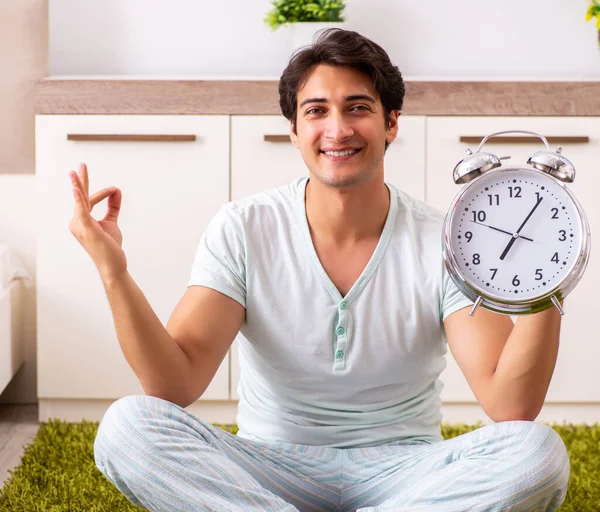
[{"x": 337, "y": 127}]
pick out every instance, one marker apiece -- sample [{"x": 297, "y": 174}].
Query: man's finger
[
  {"x": 114, "y": 205},
  {"x": 84, "y": 177},
  {"x": 100, "y": 195},
  {"x": 76, "y": 182},
  {"x": 81, "y": 215}
]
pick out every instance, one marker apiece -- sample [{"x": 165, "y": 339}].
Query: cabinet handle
[
  {"x": 566, "y": 139},
  {"x": 277, "y": 138},
  {"x": 103, "y": 137}
]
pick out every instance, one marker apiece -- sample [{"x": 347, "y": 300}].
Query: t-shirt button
[
  {"x": 344, "y": 305},
  {"x": 340, "y": 331},
  {"x": 339, "y": 354}
]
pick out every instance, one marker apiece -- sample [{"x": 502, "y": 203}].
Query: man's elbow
[{"x": 513, "y": 414}]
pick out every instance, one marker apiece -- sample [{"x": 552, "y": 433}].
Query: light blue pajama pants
[{"x": 165, "y": 459}]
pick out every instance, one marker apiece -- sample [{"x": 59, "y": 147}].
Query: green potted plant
[
  {"x": 305, "y": 17},
  {"x": 594, "y": 11}
]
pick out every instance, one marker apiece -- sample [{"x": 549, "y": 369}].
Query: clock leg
[
  {"x": 557, "y": 304},
  {"x": 476, "y": 305}
]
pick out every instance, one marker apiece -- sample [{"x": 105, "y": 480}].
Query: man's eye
[
  {"x": 360, "y": 107},
  {"x": 313, "y": 110}
]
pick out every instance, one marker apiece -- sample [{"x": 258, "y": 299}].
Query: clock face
[{"x": 515, "y": 234}]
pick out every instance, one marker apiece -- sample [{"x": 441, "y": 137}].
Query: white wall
[
  {"x": 437, "y": 39},
  {"x": 17, "y": 229}
]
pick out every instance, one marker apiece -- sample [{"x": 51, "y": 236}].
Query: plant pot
[{"x": 303, "y": 33}]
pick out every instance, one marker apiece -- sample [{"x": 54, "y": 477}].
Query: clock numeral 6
[
  {"x": 516, "y": 281},
  {"x": 538, "y": 274}
]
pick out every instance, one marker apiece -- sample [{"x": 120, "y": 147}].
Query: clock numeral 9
[
  {"x": 476, "y": 259},
  {"x": 516, "y": 281},
  {"x": 479, "y": 216},
  {"x": 538, "y": 274},
  {"x": 468, "y": 236},
  {"x": 563, "y": 235}
]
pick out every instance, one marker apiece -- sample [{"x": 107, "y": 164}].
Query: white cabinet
[
  {"x": 258, "y": 164},
  {"x": 171, "y": 189},
  {"x": 575, "y": 377}
]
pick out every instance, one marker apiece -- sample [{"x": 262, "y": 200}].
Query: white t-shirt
[{"x": 317, "y": 368}]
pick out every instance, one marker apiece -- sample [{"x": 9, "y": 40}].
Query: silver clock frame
[{"x": 515, "y": 307}]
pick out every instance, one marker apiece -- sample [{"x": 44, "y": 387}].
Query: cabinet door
[
  {"x": 575, "y": 376},
  {"x": 171, "y": 189},
  {"x": 262, "y": 156}
]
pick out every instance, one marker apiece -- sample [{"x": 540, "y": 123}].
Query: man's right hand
[{"x": 101, "y": 239}]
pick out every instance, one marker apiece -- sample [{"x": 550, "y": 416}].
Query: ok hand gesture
[{"x": 101, "y": 239}]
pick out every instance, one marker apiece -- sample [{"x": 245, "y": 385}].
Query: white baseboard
[
  {"x": 226, "y": 411},
  {"x": 211, "y": 411},
  {"x": 469, "y": 413}
]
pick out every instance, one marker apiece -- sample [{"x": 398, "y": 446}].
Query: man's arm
[
  {"x": 508, "y": 367},
  {"x": 176, "y": 363}
]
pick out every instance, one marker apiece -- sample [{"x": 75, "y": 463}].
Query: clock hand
[
  {"x": 501, "y": 230},
  {"x": 516, "y": 235}
]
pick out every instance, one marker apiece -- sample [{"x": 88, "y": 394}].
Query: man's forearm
[
  {"x": 157, "y": 360},
  {"x": 526, "y": 365}
]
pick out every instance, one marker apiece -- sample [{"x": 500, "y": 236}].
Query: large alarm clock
[{"x": 515, "y": 239}]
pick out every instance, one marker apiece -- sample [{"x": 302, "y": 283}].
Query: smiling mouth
[{"x": 341, "y": 154}]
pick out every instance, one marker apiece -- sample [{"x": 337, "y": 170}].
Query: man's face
[{"x": 341, "y": 129}]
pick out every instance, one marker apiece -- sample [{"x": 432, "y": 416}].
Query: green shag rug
[{"x": 58, "y": 474}]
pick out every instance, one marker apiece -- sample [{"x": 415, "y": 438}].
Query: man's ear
[
  {"x": 293, "y": 136},
  {"x": 392, "y": 129}
]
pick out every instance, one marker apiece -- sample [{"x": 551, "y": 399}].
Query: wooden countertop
[{"x": 239, "y": 97}]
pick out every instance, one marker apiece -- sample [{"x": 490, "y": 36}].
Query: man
[{"x": 337, "y": 285}]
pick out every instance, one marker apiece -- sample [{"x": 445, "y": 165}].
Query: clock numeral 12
[{"x": 514, "y": 191}]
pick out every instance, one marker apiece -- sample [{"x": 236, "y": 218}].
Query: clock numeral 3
[{"x": 563, "y": 235}]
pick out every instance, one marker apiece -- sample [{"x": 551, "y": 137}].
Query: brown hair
[{"x": 343, "y": 48}]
